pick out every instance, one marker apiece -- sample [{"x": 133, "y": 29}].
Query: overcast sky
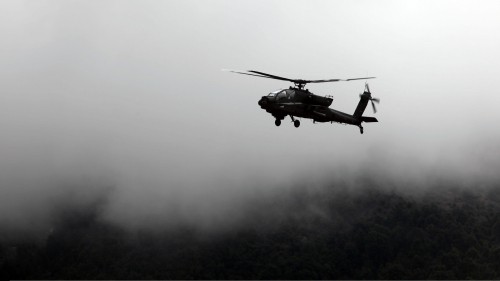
[{"x": 132, "y": 92}]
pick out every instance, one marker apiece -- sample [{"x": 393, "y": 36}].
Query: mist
[{"x": 124, "y": 104}]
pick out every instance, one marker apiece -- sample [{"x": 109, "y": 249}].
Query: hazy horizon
[{"x": 130, "y": 95}]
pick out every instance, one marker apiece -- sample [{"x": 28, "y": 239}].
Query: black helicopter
[{"x": 299, "y": 102}]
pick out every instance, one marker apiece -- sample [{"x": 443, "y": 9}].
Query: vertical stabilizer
[
  {"x": 363, "y": 102},
  {"x": 365, "y": 98}
]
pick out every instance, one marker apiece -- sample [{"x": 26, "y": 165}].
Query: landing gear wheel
[
  {"x": 361, "y": 130},
  {"x": 277, "y": 122},
  {"x": 296, "y": 123}
]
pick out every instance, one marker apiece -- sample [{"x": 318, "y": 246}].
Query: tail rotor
[{"x": 372, "y": 100}]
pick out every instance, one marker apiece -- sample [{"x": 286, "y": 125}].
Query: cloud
[{"x": 132, "y": 96}]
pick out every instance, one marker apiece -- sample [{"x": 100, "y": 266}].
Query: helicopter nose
[{"x": 263, "y": 101}]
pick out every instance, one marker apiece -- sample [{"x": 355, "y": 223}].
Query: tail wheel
[{"x": 277, "y": 122}]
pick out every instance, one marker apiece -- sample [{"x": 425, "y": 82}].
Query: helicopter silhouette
[{"x": 299, "y": 102}]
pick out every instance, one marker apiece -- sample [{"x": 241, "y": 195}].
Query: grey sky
[{"x": 131, "y": 92}]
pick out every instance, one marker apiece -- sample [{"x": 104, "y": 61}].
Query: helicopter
[{"x": 299, "y": 102}]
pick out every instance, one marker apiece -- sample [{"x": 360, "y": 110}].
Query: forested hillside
[{"x": 368, "y": 234}]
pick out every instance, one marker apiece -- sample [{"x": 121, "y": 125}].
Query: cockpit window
[
  {"x": 273, "y": 94},
  {"x": 281, "y": 95}
]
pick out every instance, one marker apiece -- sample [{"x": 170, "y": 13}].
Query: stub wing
[{"x": 368, "y": 119}]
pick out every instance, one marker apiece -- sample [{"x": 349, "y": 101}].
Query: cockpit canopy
[
  {"x": 282, "y": 94},
  {"x": 273, "y": 94}
]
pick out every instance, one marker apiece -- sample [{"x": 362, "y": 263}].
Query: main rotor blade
[
  {"x": 299, "y": 81},
  {"x": 334, "y": 80},
  {"x": 296, "y": 81},
  {"x": 274, "y": 76},
  {"x": 374, "y": 108},
  {"x": 325, "y": 80},
  {"x": 241, "y": 72},
  {"x": 376, "y": 100},
  {"x": 263, "y": 76},
  {"x": 350, "y": 79}
]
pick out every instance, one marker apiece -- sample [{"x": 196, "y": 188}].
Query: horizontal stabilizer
[{"x": 368, "y": 119}]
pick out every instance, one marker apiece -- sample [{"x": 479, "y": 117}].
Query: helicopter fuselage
[{"x": 304, "y": 104}]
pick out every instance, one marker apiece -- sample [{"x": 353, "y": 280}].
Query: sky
[{"x": 131, "y": 94}]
